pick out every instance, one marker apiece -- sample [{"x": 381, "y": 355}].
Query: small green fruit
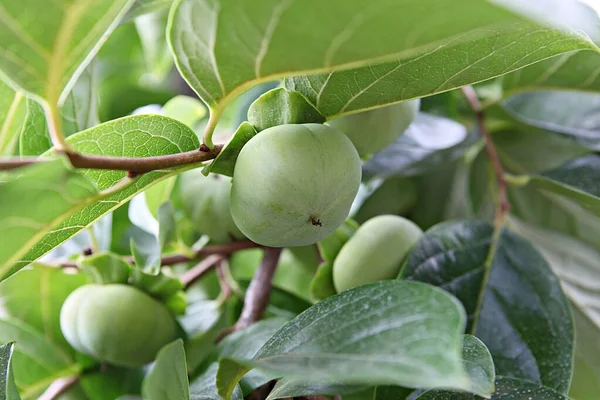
[
  {"x": 375, "y": 252},
  {"x": 116, "y": 323},
  {"x": 374, "y": 130},
  {"x": 206, "y": 202},
  {"x": 396, "y": 195},
  {"x": 293, "y": 185}
]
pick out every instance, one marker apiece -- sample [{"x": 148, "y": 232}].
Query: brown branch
[
  {"x": 135, "y": 164},
  {"x": 193, "y": 274},
  {"x": 259, "y": 291},
  {"x": 503, "y": 206},
  {"x": 171, "y": 259},
  {"x": 58, "y": 387},
  {"x": 223, "y": 283}
]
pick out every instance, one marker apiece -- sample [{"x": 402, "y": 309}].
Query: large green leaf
[
  {"x": 8, "y": 388},
  {"x": 168, "y": 378},
  {"x": 36, "y": 362},
  {"x": 586, "y": 375},
  {"x": 46, "y": 45},
  {"x": 506, "y": 389},
  {"x": 571, "y": 115},
  {"x": 517, "y": 308},
  {"x": 391, "y": 332},
  {"x": 205, "y": 386},
  {"x": 60, "y": 189},
  {"x": 135, "y": 136},
  {"x": 476, "y": 358},
  {"x": 35, "y": 297},
  {"x": 12, "y": 114},
  {"x": 223, "y": 47},
  {"x": 574, "y": 70}
]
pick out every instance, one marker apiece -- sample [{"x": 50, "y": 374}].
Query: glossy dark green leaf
[
  {"x": 506, "y": 389},
  {"x": 518, "y": 309},
  {"x": 219, "y": 66},
  {"x": 572, "y": 115},
  {"x": 281, "y": 106},
  {"x": 428, "y": 142},
  {"x": 8, "y": 388},
  {"x": 369, "y": 335},
  {"x": 168, "y": 379}
]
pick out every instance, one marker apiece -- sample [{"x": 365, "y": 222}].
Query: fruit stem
[{"x": 59, "y": 387}]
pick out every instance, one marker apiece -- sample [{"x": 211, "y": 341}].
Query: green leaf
[
  {"x": 480, "y": 366},
  {"x": 47, "y": 45},
  {"x": 36, "y": 362},
  {"x": 168, "y": 378},
  {"x": 8, "y": 388},
  {"x": 428, "y": 142},
  {"x": 506, "y": 389},
  {"x": 43, "y": 289},
  {"x": 34, "y": 139},
  {"x": 62, "y": 190},
  {"x": 205, "y": 386},
  {"x": 111, "y": 384},
  {"x": 105, "y": 268},
  {"x": 167, "y": 229},
  {"x": 141, "y": 7},
  {"x": 151, "y": 30},
  {"x": 571, "y": 115},
  {"x": 281, "y": 106},
  {"x": 586, "y": 374},
  {"x": 368, "y": 335},
  {"x": 224, "y": 163},
  {"x": 517, "y": 308},
  {"x": 244, "y": 344},
  {"x": 476, "y": 359},
  {"x": 12, "y": 115},
  {"x": 482, "y": 39},
  {"x": 395, "y": 195},
  {"x": 577, "y": 70},
  {"x": 135, "y": 136}
]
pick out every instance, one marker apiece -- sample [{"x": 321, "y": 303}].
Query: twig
[
  {"x": 223, "y": 283},
  {"x": 135, "y": 164},
  {"x": 503, "y": 206},
  {"x": 222, "y": 249},
  {"x": 259, "y": 291},
  {"x": 58, "y": 387},
  {"x": 201, "y": 269}
]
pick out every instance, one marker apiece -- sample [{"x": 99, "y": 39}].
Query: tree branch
[
  {"x": 192, "y": 275},
  {"x": 135, "y": 164},
  {"x": 58, "y": 387},
  {"x": 221, "y": 249},
  {"x": 259, "y": 291},
  {"x": 503, "y": 206}
]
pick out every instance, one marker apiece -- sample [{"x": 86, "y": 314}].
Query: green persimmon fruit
[
  {"x": 205, "y": 201},
  {"x": 294, "y": 184},
  {"x": 116, "y": 323},
  {"x": 374, "y": 130},
  {"x": 396, "y": 195},
  {"x": 375, "y": 252}
]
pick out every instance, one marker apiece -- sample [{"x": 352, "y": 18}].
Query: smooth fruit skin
[
  {"x": 206, "y": 202},
  {"x": 293, "y": 185},
  {"x": 118, "y": 324},
  {"x": 374, "y": 130},
  {"x": 375, "y": 252}
]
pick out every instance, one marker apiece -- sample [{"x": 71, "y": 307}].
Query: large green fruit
[
  {"x": 294, "y": 184},
  {"x": 375, "y": 252},
  {"x": 116, "y": 323},
  {"x": 206, "y": 202},
  {"x": 374, "y": 130}
]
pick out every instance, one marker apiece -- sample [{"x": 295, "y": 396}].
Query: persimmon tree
[{"x": 227, "y": 199}]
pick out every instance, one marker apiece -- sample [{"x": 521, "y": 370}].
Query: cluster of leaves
[{"x": 74, "y": 76}]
